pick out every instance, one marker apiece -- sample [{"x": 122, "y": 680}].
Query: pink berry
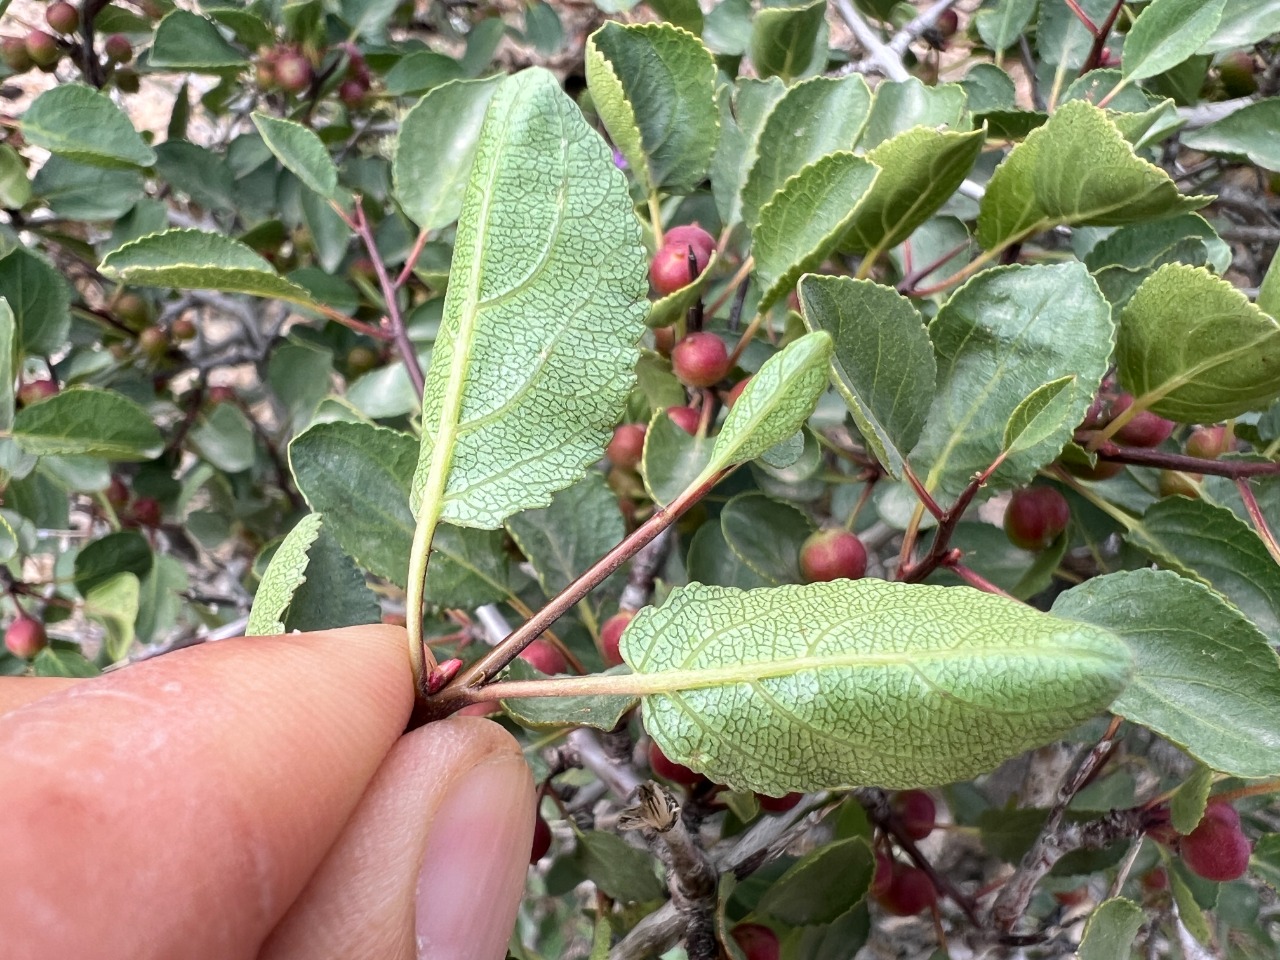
[
  {"x": 611, "y": 634},
  {"x": 910, "y": 892},
  {"x": 545, "y": 657},
  {"x": 700, "y": 360},
  {"x": 670, "y": 269},
  {"x": 627, "y": 446},
  {"x": 1217, "y": 848},
  {"x": 118, "y": 48},
  {"x": 668, "y": 769},
  {"x": 62, "y": 17},
  {"x": 1208, "y": 443},
  {"x": 25, "y": 637},
  {"x": 756, "y": 941},
  {"x": 1146, "y": 429},
  {"x": 732, "y": 396},
  {"x": 833, "y": 554},
  {"x": 686, "y": 418}
]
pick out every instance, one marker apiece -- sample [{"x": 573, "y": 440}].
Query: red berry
[
  {"x": 917, "y": 813},
  {"x": 1146, "y": 429},
  {"x": 1208, "y": 443},
  {"x": 700, "y": 360},
  {"x": 1157, "y": 879},
  {"x": 670, "y": 269},
  {"x": 910, "y": 892},
  {"x": 293, "y": 72},
  {"x": 1035, "y": 517},
  {"x": 756, "y": 941},
  {"x": 833, "y": 554},
  {"x": 118, "y": 48},
  {"x": 778, "y": 804},
  {"x": 686, "y": 418},
  {"x": 541, "y": 839},
  {"x": 611, "y": 633},
  {"x": 146, "y": 512},
  {"x": 882, "y": 879},
  {"x": 545, "y": 657},
  {"x": 42, "y": 48},
  {"x": 25, "y": 637},
  {"x": 62, "y": 17},
  {"x": 221, "y": 395},
  {"x": 1217, "y": 849},
  {"x": 1108, "y": 59},
  {"x": 1072, "y": 898},
  {"x": 35, "y": 390},
  {"x": 1102, "y": 470},
  {"x": 732, "y": 396},
  {"x": 183, "y": 329},
  {"x": 627, "y": 446},
  {"x": 947, "y": 23},
  {"x": 117, "y": 493},
  {"x": 668, "y": 769},
  {"x": 352, "y": 92},
  {"x": 14, "y": 52}
]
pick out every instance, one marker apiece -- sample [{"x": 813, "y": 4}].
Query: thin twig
[
  {"x": 889, "y": 60},
  {"x": 1143, "y": 457},
  {"x": 1259, "y": 521}
]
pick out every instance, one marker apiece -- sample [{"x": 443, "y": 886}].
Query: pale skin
[{"x": 256, "y": 798}]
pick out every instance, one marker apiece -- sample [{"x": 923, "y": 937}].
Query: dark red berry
[
  {"x": 627, "y": 446},
  {"x": 917, "y": 813},
  {"x": 1146, "y": 429},
  {"x": 882, "y": 879},
  {"x": 611, "y": 633},
  {"x": 756, "y": 941},
  {"x": 146, "y": 512},
  {"x": 910, "y": 892},
  {"x": 668, "y": 769},
  {"x": 1035, "y": 517},
  {"x": 1217, "y": 848},
  {"x": 834, "y": 554},
  {"x": 541, "y": 839},
  {"x": 25, "y": 637},
  {"x": 62, "y": 17},
  {"x": 545, "y": 657},
  {"x": 353, "y": 92},
  {"x": 947, "y": 23},
  {"x": 118, "y": 48},
  {"x": 700, "y": 360},
  {"x": 1102, "y": 470},
  {"x": 117, "y": 493},
  {"x": 778, "y": 804},
  {"x": 686, "y": 418}
]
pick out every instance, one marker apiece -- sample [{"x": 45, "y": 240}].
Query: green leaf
[
  {"x": 188, "y": 41},
  {"x": 1111, "y": 930},
  {"x": 1244, "y": 23},
  {"x": 300, "y": 151},
  {"x": 766, "y": 536},
  {"x": 160, "y": 599},
  {"x": 581, "y": 525},
  {"x": 1186, "y": 806},
  {"x": 789, "y": 41},
  {"x": 87, "y": 421},
  {"x": 1194, "y": 349},
  {"x": 1042, "y": 414},
  {"x": 368, "y": 18},
  {"x": 549, "y": 713},
  {"x": 201, "y": 174},
  {"x": 468, "y": 567},
  {"x": 744, "y": 108},
  {"x": 1167, "y": 32},
  {"x": 901, "y": 105},
  {"x": 1123, "y": 260},
  {"x": 809, "y": 121},
  {"x": 1211, "y": 544},
  {"x": 805, "y": 894},
  {"x": 80, "y": 123},
  {"x": 114, "y": 604},
  {"x": 1003, "y": 335},
  {"x": 775, "y": 403},
  {"x": 804, "y": 222},
  {"x": 1268, "y": 293},
  {"x": 617, "y": 868},
  {"x": 436, "y": 148},
  {"x": 546, "y": 300},
  {"x": 224, "y": 437},
  {"x": 711, "y": 561},
  {"x": 40, "y": 300},
  {"x": 1000, "y": 25},
  {"x": 1189, "y": 911},
  {"x": 673, "y": 460},
  {"x": 1062, "y": 40},
  {"x": 8, "y": 359},
  {"x": 920, "y": 169},
  {"x": 285, "y": 574},
  {"x": 357, "y": 475},
  {"x": 80, "y": 191},
  {"x": 123, "y": 552},
  {"x": 861, "y": 682},
  {"x": 685, "y": 14},
  {"x": 333, "y": 594},
  {"x": 56, "y": 662},
  {"x": 15, "y": 188},
  {"x": 1246, "y": 133},
  {"x": 1206, "y": 679},
  {"x": 653, "y": 86},
  {"x": 1266, "y": 860},
  {"x": 882, "y": 364},
  {"x": 421, "y": 71},
  {"x": 197, "y": 260},
  {"x": 988, "y": 88},
  {"x": 674, "y": 306},
  {"x": 1076, "y": 169}
]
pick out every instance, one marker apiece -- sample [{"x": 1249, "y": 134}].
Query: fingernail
[{"x": 473, "y": 870}]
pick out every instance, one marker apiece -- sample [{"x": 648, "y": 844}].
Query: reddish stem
[
  {"x": 1259, "y": 521},
  {"x": 412, "y": 259},
  {"x": 1083, "y": 17},
  {"x": 973, "y": 578},
  {"x": 1143, "y": 457}
]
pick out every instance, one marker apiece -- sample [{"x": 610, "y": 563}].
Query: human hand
[{"x": 255, "y": 798}]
